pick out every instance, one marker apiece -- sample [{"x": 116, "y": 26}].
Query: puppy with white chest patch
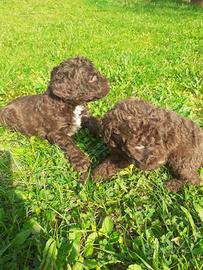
[{"x": 62, "y": 109}]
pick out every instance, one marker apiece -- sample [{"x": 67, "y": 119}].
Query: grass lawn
[{"x": 151, "y": 49}]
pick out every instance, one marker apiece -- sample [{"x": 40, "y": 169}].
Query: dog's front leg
[
  {"x": 185, "y": 169},
  {"x": 76, "y": 157},
  {"x": 190, "y": 177},
  {"x": 109, "y": 167}
]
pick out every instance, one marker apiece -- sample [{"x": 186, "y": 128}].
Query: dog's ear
[
  {"x": 105, "y": 129},
  {"x": 62, "y": 83}
]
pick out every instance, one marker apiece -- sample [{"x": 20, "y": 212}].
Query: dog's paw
[
  {"x": 80, "y": 163},
  {"x": 173, "y": 185}
]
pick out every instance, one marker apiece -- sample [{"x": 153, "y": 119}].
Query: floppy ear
[
  {"x": 62, "y": 83},
  {"x": 105, "y": 129}
]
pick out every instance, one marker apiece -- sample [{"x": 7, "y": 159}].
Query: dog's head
[
  {"x": 141, "y": 147},
  {"x": 78, "y": 79},
  {"x": 130, "y": 129}
]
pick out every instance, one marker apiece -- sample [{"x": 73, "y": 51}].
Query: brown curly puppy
[
  {"x": 148, "y": 137},
  {"x": 59, "y": 112}
]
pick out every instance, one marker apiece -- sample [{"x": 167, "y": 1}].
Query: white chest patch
[{"x": 76, "y": 123}]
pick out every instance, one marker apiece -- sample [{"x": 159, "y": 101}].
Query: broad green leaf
[
  {"x": 165, "y": 267},
  {"x": 79, "y": 264},
  {"x": 74, "y": 232},
  {"x": 10, "y": 266},
  {"x": 198, "y": 251},
  {"x": 49, "y": 252},
  {"x": 88, "y": 251},
  {"x": 51, "y": 257},
  {"x": 107, "y": 225},
  {"x": 75, "y": 235},
  {"x": 33, "y": 225},
  {"x": 94, "y": 227},
  {"x": 91, "y": 238},
  {"x": 120, "y": 240},
  {"x": 114, "y": 237},
  {"x": 21, "y": 194},
  {"x": 21, "y": 237},
  {"x": 68, "y": 267},
  {"x": 149, "y": 234},
  {"x": 199, "y": 210},
  {"x": 134, "y": 267},
  {"x": 91, "y": 263},
  {"x": 73, "y": 254}
]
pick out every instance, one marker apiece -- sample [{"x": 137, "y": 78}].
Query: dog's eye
[{"x": 93, "y": 79}]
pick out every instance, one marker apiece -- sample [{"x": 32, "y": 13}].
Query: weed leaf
[
  {"x": 49, "y": 255},
  {"x": 199, "y": 210},
  {"x": 114, "y": 237},
  {"x": 91, "y": 238},
  {"x": 33, "y": 225},
  {"x": 107, "y": 225},
  {"x": 21, "y": 237},
  {"x": 79, "y": 264},
  {"x": 89, "y": 251},
  {"x": 134, "y": 267},
  {"x": 91, "y": 263}
]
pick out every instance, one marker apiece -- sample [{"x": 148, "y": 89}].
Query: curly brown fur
[
  {"x": 59, "y": 112},
  {"x": 148, "y": 137}
]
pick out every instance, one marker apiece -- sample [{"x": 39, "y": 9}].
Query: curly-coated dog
[
  {"x": 148, "y": 137},
  {"x": 60, "y": 111}
]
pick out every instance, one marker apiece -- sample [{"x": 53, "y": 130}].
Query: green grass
[{"x": 149, "y": 49}]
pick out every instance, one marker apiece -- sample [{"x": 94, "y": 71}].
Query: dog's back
[
  {"x": 20, "y": 114},
  {"x": 138, "y": 114}
]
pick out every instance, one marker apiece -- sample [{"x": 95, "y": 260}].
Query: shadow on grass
[
  {"x": 13, "y": 217},
  {"x": 178, "y": 2},
  {"x": 5, "y": 167},
  {"x": 141, "y": 6}
]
